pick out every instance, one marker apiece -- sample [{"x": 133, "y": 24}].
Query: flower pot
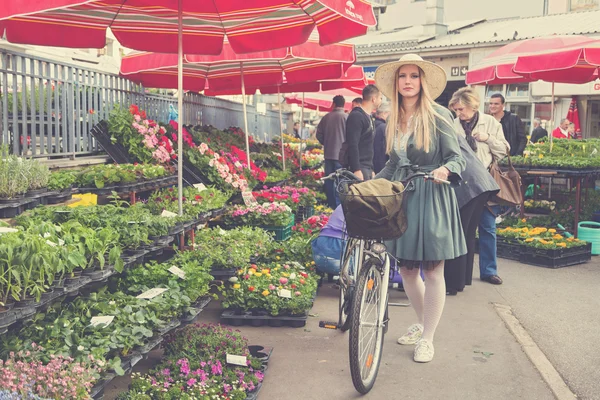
[
  {"x": 25, "y": 302},
  {"x": 47, "y": 295},
  {"x": 14, "y": 199},
  {"x": 7, "y": 307},
  {"x": 36, "y": 192}
]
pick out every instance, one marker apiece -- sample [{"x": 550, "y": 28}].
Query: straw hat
[{"x": 386, "y": 74}]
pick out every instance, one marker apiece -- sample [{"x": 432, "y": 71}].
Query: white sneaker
[
  {"x": 413, "y": 334},
  {"x": 424, "y": 351}
]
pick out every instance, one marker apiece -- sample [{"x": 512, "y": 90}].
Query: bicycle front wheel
[
  {"x": 347, "y": 281},
  {"x": 367, "y": 327}
]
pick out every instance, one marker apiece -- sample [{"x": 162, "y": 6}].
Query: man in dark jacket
[
  {"x": 538, "y": 131},
  {"x": 379, "y": 144},
  {"x": 512, "y": 125},
  {"x": 331, "y": 133},
  {"x": 360, "y": 134}
]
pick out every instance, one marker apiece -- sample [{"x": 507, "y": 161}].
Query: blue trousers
[
  {"x": 488, "y": 264},
  {"x": 333, "y": 199}
]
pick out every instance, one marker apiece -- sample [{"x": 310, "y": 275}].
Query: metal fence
[{"x": 48, "y": 108}]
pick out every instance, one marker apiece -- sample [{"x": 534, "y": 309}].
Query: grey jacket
[
  {"x": 476, "y": 179},
  {"x": 331, "y": 132}
]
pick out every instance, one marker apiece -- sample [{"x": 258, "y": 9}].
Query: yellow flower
[
  {"x": 257, "y": 274},
  {"x": 523, "y": 220},
  {"x": 251, "y": 271},
  {"x": 561, "y": 244},
  {"x": 278, "y": 258},
  {"x": 541, "y": 155},
  {"x": 312, "y": 263},
  {"x": 236, "y": 286},
  {"x": 265, "y": 293},
  {"x": 552, "y": 230},
  {"x": 529, "y": 240},
  {"x": 557, "y": 237}
]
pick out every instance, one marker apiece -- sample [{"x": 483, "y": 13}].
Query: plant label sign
[
  {"x": 237, "y": 360},
  {"x": 176, "y": 271},
  {"x": 152, "y": 293},
  {"x": 200, "y": 186},
  {"x": 168, "y": 214},
  {"x": 102, "y": 320},
  {"x": 285, "y": 293},
  {"x": 249, "y": 199}
]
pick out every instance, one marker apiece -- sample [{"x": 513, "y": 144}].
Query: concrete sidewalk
[{"x": 312, "y": 363}]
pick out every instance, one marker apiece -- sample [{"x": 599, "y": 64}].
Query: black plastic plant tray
[
  {"x": 195, "y": 309},
  {"x": 99, "y": 275},
  {"x": 98, "y": 389},
  {"x": 508, "y": 250},
  {"x": 221, "y": 274},
  {"x": 115, "y": 150},
  {"x": 553, "y": 263},
  {"x": 58, "y": 198},
  {"x": 265, "y": 354},
  {"x": 247, "y": 318},
  {"x": 169, "y": 327},
  {"x": 7, "y": 319},
  {"x": 148, "y": 347}
]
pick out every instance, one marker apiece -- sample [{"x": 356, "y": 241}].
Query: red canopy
[
  {"x": 501, "y": 66},
  {"x": 152, "y": 25},
  {"x": 323, "y": 101},
  {"x": 354, "y": 79},
  {"x": 301, "y": 63}
]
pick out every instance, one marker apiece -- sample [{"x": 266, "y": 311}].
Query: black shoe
[{"x": 451, "y": 292}]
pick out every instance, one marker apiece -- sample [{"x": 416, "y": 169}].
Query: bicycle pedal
[{"x": 328, "y": 325}]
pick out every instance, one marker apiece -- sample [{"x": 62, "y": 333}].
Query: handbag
[{"x": 509, "y": 182}]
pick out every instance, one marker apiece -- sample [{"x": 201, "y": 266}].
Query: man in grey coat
[{"x": 331, "y": 133}]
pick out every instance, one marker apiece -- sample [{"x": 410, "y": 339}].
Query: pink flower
[
  {"x": 283, "y": 280},
  {"x": 298, "y": 294},
  {"x": 271, "y": 287}
]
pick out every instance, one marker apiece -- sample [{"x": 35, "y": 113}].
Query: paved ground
[
  {"x": 561, "y": 311},
  {"x": 312, "y": 363}
]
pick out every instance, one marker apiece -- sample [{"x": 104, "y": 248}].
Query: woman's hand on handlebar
[{"x": 441, "y": 173}]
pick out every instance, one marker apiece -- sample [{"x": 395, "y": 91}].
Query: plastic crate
[
  {"x": 510, "y": 250},
  {"x": 281, "y": 233},
  {"x": 303, "y": 213}
]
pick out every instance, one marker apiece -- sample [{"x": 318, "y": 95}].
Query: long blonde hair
[{"x": 424, "y": 125}]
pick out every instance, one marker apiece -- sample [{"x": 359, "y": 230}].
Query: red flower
[
  {"x": 302, "y": 281},
  {"x": 92, "y": 111},
  {"x": 294, "y": 286},
  {"x": 134, "y": 110},
  {"x": 143, "y": 115},
  {"x": 198, "y": 197},
  {"x": 246, "y": 276},
  {"x": 251, "y": 288}
]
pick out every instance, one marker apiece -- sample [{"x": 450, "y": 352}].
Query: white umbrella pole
[
  {"x": 300, "y": 133},
  {"x": 552, "y": 119},
  {"x": 281, "y": 127},
  {"x": 180, "y": 106},
  {"x": 245, "y": 116}
]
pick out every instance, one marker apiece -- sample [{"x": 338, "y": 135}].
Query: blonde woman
[
  {"x": 485, "y": 136},
  {"x": 420, "y": 134}
]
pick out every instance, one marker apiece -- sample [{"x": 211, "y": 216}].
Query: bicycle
[{"x": 364, "y": 275}]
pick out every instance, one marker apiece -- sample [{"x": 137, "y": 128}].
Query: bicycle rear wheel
[
  {"x": 367, "y": 328},
  {"x": 347, "y": 282}
]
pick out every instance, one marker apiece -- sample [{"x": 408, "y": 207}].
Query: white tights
[{"x": 427, "y": 300}]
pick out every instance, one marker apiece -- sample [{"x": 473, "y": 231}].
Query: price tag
[
  {"x": 249, "y": 199},
  {"x": 152, "y": 293},
  {"x": 168, "y": 214},
  {"x": 176, "y": 271},
  {"x": 7, "y": 230},
  {"x": 200, "y": 186},
  {"x": 237, "y": 360},
  {"x": 101, "y": 320},
  {"x": 285, "y": 293}
]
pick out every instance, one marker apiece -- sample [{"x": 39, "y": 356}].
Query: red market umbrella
[
  {"x": 322, "y": 101},
  {"x": 573, "y": 116},
  {"x": 554, "y": 59},
  {"x": 152, "y": 25},
  {"x": 303, "y": 63},
  {"x": 353, "y": 79}
]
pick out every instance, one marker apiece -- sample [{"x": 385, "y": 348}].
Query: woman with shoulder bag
[{"x": 484, "y": 135}]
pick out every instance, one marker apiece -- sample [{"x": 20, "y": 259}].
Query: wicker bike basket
[{"x": 373, "y": 209}]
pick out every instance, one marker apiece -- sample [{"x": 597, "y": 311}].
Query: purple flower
[
  {"x": 166, "y": 372},
  {"x": 191, "y": 382}
]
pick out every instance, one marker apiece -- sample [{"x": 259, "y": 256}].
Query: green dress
[{"x": 434, "y": 230}]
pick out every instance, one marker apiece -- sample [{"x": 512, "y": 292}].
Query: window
[
  {"x": 583, "y": 5},
  {"x": 493, "y": 89},
  {"x": 518, "y": 90},
  {"x": 523, "y": 111}
]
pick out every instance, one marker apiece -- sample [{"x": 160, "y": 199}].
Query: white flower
[
  {"x": 112, "y": 302},
  {"x": 233, "y": 279},
  {"x": 80, "y": 348},
  {"x": 293, "y": 275}
]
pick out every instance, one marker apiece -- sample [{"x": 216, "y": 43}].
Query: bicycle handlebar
[{"x": 344, "y": 173}]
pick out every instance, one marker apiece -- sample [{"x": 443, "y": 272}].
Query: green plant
[
  {"x": 37, "y": 174},
  {"x": 61, "y": 180},
  {"x": 13, "y": 175}
]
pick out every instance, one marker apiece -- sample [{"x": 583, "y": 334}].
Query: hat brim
[{"x": 386, "y": 75}]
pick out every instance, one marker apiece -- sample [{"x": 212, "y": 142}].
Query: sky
[{"x": 409, "y": 12}]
